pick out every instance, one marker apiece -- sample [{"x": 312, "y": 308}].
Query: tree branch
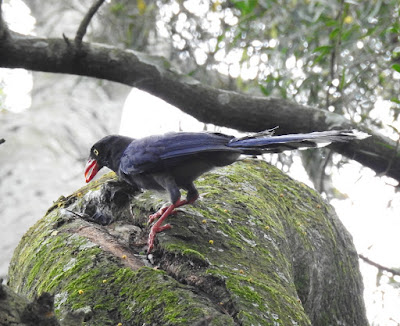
[
  {"x": 379, "y": 266},
  {"x": 80, "y": 33},
  {"x": 3, "y": 27},
  {"x": 207, "y": 104}
]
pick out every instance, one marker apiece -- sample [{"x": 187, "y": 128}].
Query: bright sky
[
  {"x": 371, "y": 213},
  {"x": 17, "y": 83}
]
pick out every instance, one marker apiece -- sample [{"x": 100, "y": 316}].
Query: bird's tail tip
[{"x": 357, "y": 134}]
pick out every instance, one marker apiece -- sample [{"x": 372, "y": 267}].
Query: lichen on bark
[{"x": 257, "y": 248}]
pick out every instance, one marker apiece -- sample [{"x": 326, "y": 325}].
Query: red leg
[
  {"x": 164, "y": 213},
  {"x": 158, "y": 228},
  {"x": 161, "y": 211},
  {"x": 180, "y": 203}
]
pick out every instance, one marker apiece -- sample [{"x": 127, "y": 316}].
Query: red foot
[
  {"x": 157, "y": 227},
  {"x": 152, "y": 235},
  {"x": 156, "y": 215},
  {"x": 164, "y": 212}
]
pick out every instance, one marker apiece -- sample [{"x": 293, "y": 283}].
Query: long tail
[{"x": 265, "y": 142}]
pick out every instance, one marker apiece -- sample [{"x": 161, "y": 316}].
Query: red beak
[{"x": 91, "y": 169}]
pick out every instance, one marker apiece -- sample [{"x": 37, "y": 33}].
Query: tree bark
[
  {"x": 256, "y": 248},
  {"x": 207, "y": 104},
  {"x": 17, "y": 310}
]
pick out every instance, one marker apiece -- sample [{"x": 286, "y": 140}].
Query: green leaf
[
  {"x": 331, "y": 22},
  {"x": 396, "y": 67},
  {"x": 351, "y": 32},
  {"x": 334, "y": 33},
  {"x": 266, "y": 90},
  {"x": 370, "y": 31},
  {"x": 324, "y": 51},
  {"x": 245, "y": 6},
  {"x": 117, "y": 8},
  {"x": 395, "y": 28},
  {"x": 395, "y": 100},
  {"x": 323, "y": 48}
]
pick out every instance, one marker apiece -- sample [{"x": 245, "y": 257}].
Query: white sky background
[{"x": 371, "y": 213}]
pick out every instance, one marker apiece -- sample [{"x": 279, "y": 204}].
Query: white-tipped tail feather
[{"x": 266, "y": 142}]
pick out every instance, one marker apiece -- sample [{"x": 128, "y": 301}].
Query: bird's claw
[
  {"x": 163, "y": 213},
  {"x": 156, "y": 215},
  {"x": 153, "y": 217},
  {"x": 152, "y": 235},
  {"x": 164, "y": 227}
]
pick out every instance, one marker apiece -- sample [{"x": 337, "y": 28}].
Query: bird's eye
[{"x": 96, "y": 152}]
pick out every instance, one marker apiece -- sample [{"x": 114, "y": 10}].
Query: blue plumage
[
  {"x": 154, "y": 152},
  {"x": 173, "y": 161},
  {"x": 163, "y": 151}
]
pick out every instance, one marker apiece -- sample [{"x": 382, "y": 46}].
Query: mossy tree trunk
[{"x": 256, "y": 249}]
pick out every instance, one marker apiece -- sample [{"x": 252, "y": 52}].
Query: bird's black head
[{"x": 106, "y": 152}]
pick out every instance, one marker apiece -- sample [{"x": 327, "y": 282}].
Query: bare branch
[
  {"x": 3, "y": 26},
  {"x": 207, "y": 104},
  {"x": 85, "y": 22},
  {"x": 66, "y": 39},
  {"x": 379, "y": 266}
]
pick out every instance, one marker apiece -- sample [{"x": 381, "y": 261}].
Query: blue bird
[{"x": 172, "y": 162}]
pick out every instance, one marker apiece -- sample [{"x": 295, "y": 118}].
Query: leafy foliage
[{"x": 341, "y": 56}]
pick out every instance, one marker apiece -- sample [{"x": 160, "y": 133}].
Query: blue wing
[
  {"x": 157, "y": 153},
  {"x": 160, "y": 152}
]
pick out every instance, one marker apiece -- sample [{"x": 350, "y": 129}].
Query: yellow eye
[{"x": 96, "y": 152}]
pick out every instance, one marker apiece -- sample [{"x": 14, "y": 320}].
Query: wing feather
[{"x": 154, "y": 153}]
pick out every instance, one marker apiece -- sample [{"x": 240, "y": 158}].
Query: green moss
[
  {"x": 255, "y": 218},
  {"x": 244, "y": 291},
  {"x": 150, "y": 296},
  {"x": 144, "y": 296},
  {"x": 239, "y": 223},
  {"x": 193, "y": 254}
]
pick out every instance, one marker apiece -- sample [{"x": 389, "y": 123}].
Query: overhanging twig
[
  {"x": 379, "y": 266},
  {"x": 80, "y": 33}
]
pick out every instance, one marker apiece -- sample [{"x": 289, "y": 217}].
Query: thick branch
[
  {"x": 208, "y": 104},
  {"x": 311, "y": 277},
  {"x": 85, "y": 22}
]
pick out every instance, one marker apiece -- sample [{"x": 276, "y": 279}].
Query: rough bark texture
[
  {"x": 17, "y": 310},
  {"x": 256, "y": 249}
]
